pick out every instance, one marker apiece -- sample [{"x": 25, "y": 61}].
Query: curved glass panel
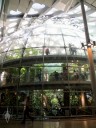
[
  {"x": 33, "y": 52},
  {"x": 5, "y": 46},
  {"x": 52, "y": 38},
  {"x": 11, "y": 55},
  {"x": 17, "y": 44},
  {"x": 2, "y": 57},
  {"x": 35, "y": 41}
]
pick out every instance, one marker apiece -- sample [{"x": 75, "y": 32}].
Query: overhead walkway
[
  {"x": 61, "y": 84},
  {"x": 27, "y": 61},
  {"x": 77, "y": 85}
]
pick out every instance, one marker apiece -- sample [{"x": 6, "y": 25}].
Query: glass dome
[
  {"x": 62, "y": 33},
  {"x": 53, "y": 34}
]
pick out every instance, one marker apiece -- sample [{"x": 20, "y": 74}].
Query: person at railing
[
  {"x": 76, "y": 75},
  {"x": 47, "y": 52},
  {"x": 56, "y": 75}
]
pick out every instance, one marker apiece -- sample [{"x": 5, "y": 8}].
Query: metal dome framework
[{"x": 53, "y": 25}]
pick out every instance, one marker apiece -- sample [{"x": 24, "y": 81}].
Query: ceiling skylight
[
  {"x": 51, "y": 11},
  {"x": 38, "y": 6},
  {"x": 15, "y": 19},
  {"x": 78, "y": 10},
  {"x": 11, "y": 30},
  {"x": 24, "y": 22},
  {"x": 39, "y": 30},
  {"x": 93, "y": 14},
  {"x": 92, "y": 23},
  {"x": 32, "y": 12},
  {"x": 12, "y": 24},
  {"x": 15, "y": 12}
]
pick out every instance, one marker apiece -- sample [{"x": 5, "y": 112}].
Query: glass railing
[
  {"x": 34, "y": 76},
  {"x": 43, "y": 51},
  {"x": 60, "y": 78}
]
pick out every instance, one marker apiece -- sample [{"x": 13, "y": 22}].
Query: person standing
[
  {"x": 27, "y": 110},
  {"x": 47, "y": 52}
]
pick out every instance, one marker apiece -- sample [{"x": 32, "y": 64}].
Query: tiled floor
[{"x": 67, "y": 123}]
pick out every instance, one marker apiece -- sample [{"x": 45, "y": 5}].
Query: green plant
[
  {"x": 23, "y": 72},
  {"x": 74, "y": 98}
]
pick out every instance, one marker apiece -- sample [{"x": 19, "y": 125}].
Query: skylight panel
[
  {"x": 51, "y": 11},
  {"x": 78, "y": 10},
  {"x": 15, "y": 12},
  {"x": 32, "y": 12},
  {"x": 39, "y": 30},
  {"x": 24, "y": 23},
  {"x": 11, "y": 30},
  {"x": 12, "y": 24},
  {"x": 92, "y": 23},
  {"x": 38, "y": 6},
  {"x": 91, "y": 30},
  {"x": 79, "y": 18},
  {"x": 93, "y": 14},
  {"x": 86, "y": 8},
  {"x": 15, "y": 19}
]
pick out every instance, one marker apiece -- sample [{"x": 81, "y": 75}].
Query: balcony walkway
[
  {"x": 64, "y": 123},
  {"x": 28, "y": 61}
]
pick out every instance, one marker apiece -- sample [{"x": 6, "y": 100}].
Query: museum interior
[{"x": 48, "y": 52}]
